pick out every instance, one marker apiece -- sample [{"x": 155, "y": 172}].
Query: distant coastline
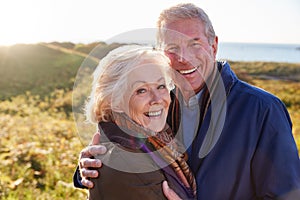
[
  {"x": 289, "y": 53},
  {"x": 234, "y": 51}
]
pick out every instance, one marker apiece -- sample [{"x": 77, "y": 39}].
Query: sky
[{"x": 251, "y": 21}]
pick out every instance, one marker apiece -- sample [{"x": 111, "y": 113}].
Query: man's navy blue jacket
[{"x": 249, "y": 150}]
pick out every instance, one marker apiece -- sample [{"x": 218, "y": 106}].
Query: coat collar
[
  {"x": 126, "y": 132},
  {"x": 228, "y": 76}
]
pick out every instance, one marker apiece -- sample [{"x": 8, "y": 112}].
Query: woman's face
[{"x": 148, "y": 98}]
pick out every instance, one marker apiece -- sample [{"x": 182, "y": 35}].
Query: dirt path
[{"x": 69, "y": 51}]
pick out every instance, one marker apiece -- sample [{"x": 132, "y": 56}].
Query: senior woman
[{"x": 129, "y": 102}]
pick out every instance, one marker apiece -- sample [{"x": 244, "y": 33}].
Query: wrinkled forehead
[
  {"x": 182, "y": 31},
  {"x": 171, "y": 36},
  {"x": 147, "y": 73}
]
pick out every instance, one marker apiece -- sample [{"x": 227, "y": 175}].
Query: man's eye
[
  {"x": 196, "y": 44},
  {"x": 172, "y": 49}
]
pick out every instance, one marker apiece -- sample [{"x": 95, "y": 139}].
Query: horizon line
[{"x": 142, "y": 42}]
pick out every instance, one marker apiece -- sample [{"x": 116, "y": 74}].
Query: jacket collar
[{"x": 228, "y": 76}]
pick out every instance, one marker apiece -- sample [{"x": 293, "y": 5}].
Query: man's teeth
[
  {"x": 188, "y": 71},
  {"x": 154, "y": 113}
]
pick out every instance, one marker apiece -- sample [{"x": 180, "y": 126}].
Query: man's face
[{"x": 188, "y": 48}]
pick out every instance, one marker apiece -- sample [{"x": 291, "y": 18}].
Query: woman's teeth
[{"x": 154, "y": 113}]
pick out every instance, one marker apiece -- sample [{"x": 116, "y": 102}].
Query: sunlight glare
[{"x": 18, "y": 21}]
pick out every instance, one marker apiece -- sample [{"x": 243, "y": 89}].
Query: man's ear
[{"x": 215, "y": 46}]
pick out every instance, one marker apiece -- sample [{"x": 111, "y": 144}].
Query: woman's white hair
[{"x": 110, "y": 82}]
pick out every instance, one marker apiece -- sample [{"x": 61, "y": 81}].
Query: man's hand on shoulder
[{"x": 87, "y": 164}]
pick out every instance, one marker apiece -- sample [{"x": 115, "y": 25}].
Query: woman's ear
[
  {"x": 119, "y": 108},
  {"x": 120, "y": 103}
]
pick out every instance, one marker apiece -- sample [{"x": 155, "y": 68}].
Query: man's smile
[{"x": 188, "y": 71}]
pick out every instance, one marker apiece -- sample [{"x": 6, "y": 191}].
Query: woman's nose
[{"x": 155, "y": 97}]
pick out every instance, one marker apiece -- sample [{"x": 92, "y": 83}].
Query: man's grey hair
[{"x": 184, "y": 11}]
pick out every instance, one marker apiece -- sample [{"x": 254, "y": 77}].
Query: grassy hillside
[
  {"x": 41, "y": 68},
  {"x": 35, "y": 68},
  {"x": 39, "y": 144},
  {"x": 38, "y": 148}
]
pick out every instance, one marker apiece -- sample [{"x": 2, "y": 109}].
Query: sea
[{"x": 289, "y": 53}]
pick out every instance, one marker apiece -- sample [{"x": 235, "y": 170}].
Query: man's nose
[{"x": 183, "y": 56}]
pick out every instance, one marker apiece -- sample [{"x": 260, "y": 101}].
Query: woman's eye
[
  {"x": 141, "y": 91},
  {"x": 162, "y": 86}
]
